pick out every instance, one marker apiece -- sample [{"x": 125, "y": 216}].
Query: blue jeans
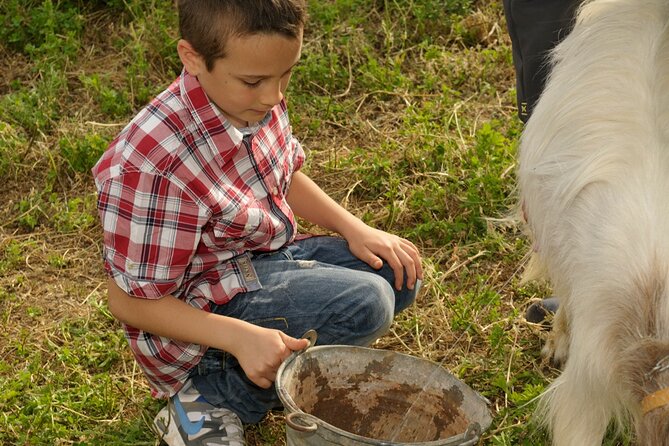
[{"x": 314, "y": 283}]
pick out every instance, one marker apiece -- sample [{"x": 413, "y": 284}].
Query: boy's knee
[
  {"x": 406, "y": 297},
  {"x": 361, "y": 313},
  {"x": 378, "y": 305},
  {"x": 403, "y": 298}
]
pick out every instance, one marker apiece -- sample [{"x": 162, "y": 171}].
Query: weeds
[
  {"x": 82, "y": 154},
  {"x": 407, "y": 110},
  {"x": 35, "y": 109}
]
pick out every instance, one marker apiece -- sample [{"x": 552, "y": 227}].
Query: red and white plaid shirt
[{"x": 183, "y": 196}]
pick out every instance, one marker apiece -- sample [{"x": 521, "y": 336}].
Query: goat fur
[{"x": 593, "y": 178}]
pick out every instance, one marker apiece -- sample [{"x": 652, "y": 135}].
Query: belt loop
[{"x": 286, "y": 253}]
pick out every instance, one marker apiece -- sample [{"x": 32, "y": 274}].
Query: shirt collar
[{"x": 207, "y": 116}]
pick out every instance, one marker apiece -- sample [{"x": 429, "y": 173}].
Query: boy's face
[{"x": 252, "y": 77}]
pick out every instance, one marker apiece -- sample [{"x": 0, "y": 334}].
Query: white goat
[{"x": 594, "y": 183}]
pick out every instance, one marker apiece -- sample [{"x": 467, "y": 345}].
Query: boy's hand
[
  {"x": 372, "y": 246},
  {"x": 262, "y": 351}
]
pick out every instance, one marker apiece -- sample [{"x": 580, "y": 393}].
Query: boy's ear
[{"x": 190, "y": 58}]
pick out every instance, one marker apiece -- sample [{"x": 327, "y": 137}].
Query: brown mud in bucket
[{"x": 342, "y": 395}]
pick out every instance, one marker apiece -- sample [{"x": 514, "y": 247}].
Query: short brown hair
[{"x": 207, "y": 24}]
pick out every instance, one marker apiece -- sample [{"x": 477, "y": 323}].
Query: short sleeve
[
  {"x": 151, "y": 231},
  {"x": 298, "y": 154}
]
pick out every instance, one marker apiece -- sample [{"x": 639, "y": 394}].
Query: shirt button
[{"x": 275, "y": 191}]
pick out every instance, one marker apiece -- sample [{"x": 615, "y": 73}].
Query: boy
[{"x": 197, "y": 198}]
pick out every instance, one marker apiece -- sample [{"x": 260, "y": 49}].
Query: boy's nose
[{"x": 272, "y": 95}]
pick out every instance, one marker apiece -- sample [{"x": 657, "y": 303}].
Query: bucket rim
[{"x": 470, "y": 436}]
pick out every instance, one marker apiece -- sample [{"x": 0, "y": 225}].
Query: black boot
[{"x": 542, "y": 311}]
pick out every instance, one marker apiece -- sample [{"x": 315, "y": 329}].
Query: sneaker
[
  {"x": 541, "y": 312},
  {"x": 189, "y": 420}
]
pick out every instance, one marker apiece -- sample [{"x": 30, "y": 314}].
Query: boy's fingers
[
  {"x": 410, "y": 248},
  {"x": 409, "y": 266},
  {"x": 391, "y": 259},
  {"x": 374, "y": 261},
  {"x": 264, "y": 382},
  {"x": 412, "y": 251},
  {"x": 411, "y": 271},
  {"x": 398, "y": 268},
  {"x": 410, "y": 245},
  {"x": 293, "y": 344}
]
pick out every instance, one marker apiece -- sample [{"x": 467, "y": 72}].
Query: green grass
[{"x": 407, "y": 110}]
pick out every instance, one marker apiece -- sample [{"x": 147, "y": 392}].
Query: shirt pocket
[{"x": 248, "y": 228}]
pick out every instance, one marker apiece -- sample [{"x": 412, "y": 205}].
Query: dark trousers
[{"x": 535, "y": 27}]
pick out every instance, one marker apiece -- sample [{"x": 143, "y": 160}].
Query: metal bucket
[{"x": 343, "y": 395}]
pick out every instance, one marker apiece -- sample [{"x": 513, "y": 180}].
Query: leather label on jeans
[{"x": 246, "y": 268}]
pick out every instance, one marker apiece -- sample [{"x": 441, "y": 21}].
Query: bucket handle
[
  {"x": 472, "y": 435},
  {"x": 310, "y": 336},
  {"x": 301, "y": 422}
]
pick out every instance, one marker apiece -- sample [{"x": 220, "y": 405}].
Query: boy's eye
[{"x": 251, "y": 84}]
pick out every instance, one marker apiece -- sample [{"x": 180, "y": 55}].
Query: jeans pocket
[{"x": 213, "y": 361}]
